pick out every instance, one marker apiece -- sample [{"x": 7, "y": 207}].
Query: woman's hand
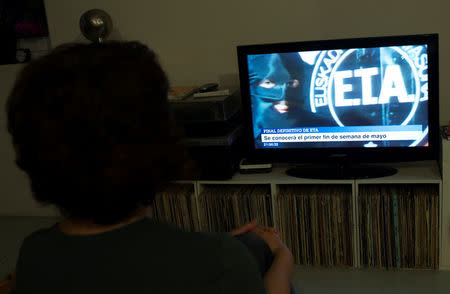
[
  {"x": 245, "y": 228},
  {"x": 272, "y": 239},
  {"x": 248, "y": 227},
  {"x": 278, "y": 277}
]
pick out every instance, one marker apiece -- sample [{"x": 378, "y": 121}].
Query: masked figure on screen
[{"x": 270, "y": 83}]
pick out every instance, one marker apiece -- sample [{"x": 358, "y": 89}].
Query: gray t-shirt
[{"x": 142, "y": 257}]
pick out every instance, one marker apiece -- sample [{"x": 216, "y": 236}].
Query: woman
[{"x": 91, "y": 127}]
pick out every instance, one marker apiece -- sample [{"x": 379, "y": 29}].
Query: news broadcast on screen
[{"x": 341, "y": 98}]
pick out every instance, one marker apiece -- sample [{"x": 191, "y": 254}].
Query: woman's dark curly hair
[{"x": 91, "y": 127}]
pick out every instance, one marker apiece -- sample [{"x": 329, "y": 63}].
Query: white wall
[{"x": 196, "y": 41}]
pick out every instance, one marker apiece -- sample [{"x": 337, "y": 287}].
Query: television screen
[{"x": 329, "y": 95}]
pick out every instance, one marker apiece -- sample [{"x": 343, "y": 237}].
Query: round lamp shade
[{"x": 96, "y": 25}]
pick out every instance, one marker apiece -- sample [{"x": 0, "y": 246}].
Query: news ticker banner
[{"x": 342, "y": 134}]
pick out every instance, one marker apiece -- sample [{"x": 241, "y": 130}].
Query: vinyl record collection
[
  {"x": 226, "y": 207},
  {"x": 399, "y": 226},
  {"x": 176, "y": 204},
  {"x": 315, "y": 223}
]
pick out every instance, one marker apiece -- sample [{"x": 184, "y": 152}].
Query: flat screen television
[{"x": 340, "y": 104}]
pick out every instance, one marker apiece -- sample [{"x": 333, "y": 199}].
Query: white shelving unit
[{"x": 425, "y": 172}]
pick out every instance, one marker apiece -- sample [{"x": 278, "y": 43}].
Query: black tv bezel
[{"x": 358, "y": 155}]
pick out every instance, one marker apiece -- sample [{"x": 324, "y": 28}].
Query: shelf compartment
[
  {"x": 399, "y": 226},
  {"x": 315, "y": 222},
  {"x": 176, "y": 203},
  {"x": 226, "y": 207}
]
